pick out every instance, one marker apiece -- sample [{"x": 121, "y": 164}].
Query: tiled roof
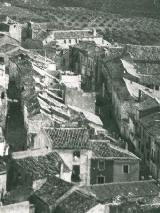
[
  {"x": 144, "y": 53},
  {"x": 68, "y": 138},
  {"x": 53, "y": 189},
  {"x": 77, "y": 202},
  {"x": 104, "y": 149},
  {"x": 78, "y": 138},
  {"x": 107, "y": 192},
  {"x": 42, "y": 166}
]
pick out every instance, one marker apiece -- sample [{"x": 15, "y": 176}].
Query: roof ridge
[
  {"x": 122, "y": 183},
  {"x": 65, "y": 195}
]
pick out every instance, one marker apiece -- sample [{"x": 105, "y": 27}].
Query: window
[
  {"x": 126, "y": 169},
  {"x": 156, "y": 87},
  {"x": 100, "y": 179},
  {"x": 101, "y": 164},
  {"x": 65, "y": 41},
  {"x": 2, "y": 95},
  {"x": 76, "y": 157},
  {"x": 69, "y": 41},
  {"x": 75, "y": 177},
  {"x": 76, "y": 154}
]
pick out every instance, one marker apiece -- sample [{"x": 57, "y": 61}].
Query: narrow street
[{"x": 15, "y": 131}]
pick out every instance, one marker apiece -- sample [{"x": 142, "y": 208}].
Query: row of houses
[
  {"x": 127, "y": 79},
  {"x": 70, "y": 162}
]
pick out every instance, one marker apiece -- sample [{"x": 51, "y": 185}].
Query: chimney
[
  {"x": 94, "y": 32},
  {"x": 126, "y": 146},
  {"x": 139, "y": 95}
]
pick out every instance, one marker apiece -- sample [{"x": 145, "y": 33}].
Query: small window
[
  {"x": 100, "y": 179},
  {"x": 65, "y": 41},
  {"x": 2, "y": 95},
  {"x": 76, "y": 154},
  {"x": 126, "y": 169},
  {"x": 75, "y": 177},
  {"x": 156, "y": 87},
  {"x": 69, "y": 41},
  {"x": 101, "y": 164}
]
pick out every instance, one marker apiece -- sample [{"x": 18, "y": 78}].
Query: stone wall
[
  {"x": 78, "y": 98},
  {"x": 120, "y": 176}
]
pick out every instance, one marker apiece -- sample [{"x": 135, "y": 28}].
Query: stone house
[
  {"x": 149, "y": 142},
  {"x": 90, "y": 161},
  {"x": 83, "y": 61}
]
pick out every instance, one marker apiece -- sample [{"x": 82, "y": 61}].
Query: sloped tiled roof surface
[
  {"x": 103, "y": 149},
  {"x": 144, "y": 53},
  {"x": 77, "y": 203},
  {"x": 68, "y": 138},
  {"x": 73, "y": 34},
  {"x": 41, "y": 166},
  {"x": 53, "y": 189},
  {"x": 107, "y": 192}
]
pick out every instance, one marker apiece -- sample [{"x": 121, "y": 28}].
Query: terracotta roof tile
[
  {"x": 107, "y": 192},
  {"x": 53, "y": 189},
  {"x": 77, "y": 202},
  {"x": 68, "y": 138},
  {"x": 42, "y": 166}
]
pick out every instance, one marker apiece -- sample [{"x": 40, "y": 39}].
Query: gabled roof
[
  {"x": 42, "y": 166},
  {"x": 52, "y": 190},
  {"x": 104, "y": 149},
  {"x": 77, "y": 202},
  {"x": 68, "y": 138},
  {"x": 108, "y": 192}
]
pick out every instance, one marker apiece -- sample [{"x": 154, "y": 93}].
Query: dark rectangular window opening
[
  {"x": 100, "y": 179},
  {"x": 75, "y": 177},
  {"x": 101, "y": 164},
  {"x": 126, "y": 169}
]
